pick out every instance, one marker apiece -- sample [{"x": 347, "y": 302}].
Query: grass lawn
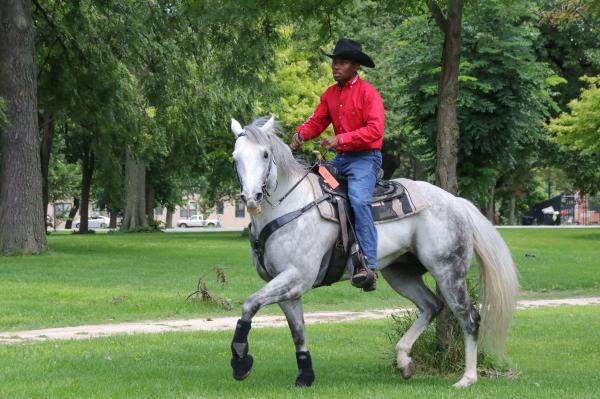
[
  {"x": 109, "y": 278},
  {"x": 351, "y": 360},
  {"x": 555, "y": 261}
]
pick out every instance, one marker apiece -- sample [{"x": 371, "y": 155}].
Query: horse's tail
[{"x": 499, "y": 280}]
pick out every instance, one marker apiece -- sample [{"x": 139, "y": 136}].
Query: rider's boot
[{"x": 365, "y": 278}]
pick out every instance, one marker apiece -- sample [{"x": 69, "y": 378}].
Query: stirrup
[{"x": 364, "y": 278}]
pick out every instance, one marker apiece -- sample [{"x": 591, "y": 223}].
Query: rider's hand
[
  {"x": 297, "y": 141},
  {"x": 329, "y": 142}
]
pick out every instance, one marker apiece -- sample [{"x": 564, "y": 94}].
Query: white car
[
  {"x": 95, "y": 222},
  {"x": 198, "y": 221}
]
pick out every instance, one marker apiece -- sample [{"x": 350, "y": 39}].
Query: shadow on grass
[{"x": 588, "y": 237}]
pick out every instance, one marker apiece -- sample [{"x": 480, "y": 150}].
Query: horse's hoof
[
  {"x": 305, "y": 378},
  {"x": 241, "y": 367},
  {"x": 465, "y": 382},
  {"x": 408, "y": 370}
]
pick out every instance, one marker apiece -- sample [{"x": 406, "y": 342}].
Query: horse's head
[{"x": 253, "y": 162}]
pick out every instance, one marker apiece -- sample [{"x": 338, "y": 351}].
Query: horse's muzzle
[
  {"x": 253, "y": 207},
  {"x": 254, "y": 211},
  {"x": 253, "y": 204}
]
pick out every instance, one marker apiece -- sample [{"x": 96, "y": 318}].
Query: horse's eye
[{"x": 266, "y": 155}]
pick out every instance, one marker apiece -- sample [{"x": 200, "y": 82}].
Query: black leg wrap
[
  {"x": 306, "y": 375},
  {"x": 241, "y": 331},
  {"x": 241, "y": 361}
]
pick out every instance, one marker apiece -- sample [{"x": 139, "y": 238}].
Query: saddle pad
[
  {"x": 410, "y": 203},
  {"x": 385, "y": 209},
  {"x": 326, "y": 208}
]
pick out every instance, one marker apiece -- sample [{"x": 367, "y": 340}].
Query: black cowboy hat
[{"x": 350, "y": 49}]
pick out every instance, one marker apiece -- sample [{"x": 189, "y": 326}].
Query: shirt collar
[{"x": 351, "y": 82}]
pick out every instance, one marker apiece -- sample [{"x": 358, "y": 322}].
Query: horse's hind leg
[
  {"x": 454, "y": 290},
  {"x": 295, "y": 317},
  {"x": 408, "y": 282}
]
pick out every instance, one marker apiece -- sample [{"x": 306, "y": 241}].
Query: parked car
[
  {"x": 198, "y": 221},
  {"x": 94, "y": 222}
]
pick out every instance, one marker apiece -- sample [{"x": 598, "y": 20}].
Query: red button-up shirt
[{"x": 356, "y": 111}]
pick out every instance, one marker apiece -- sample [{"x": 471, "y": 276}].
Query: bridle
[{"x": 264, "y": 190}]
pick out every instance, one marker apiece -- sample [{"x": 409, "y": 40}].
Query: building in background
[{"x": 228, "y": 213}]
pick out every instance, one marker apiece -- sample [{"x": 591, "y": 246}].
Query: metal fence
[{"x": 577, "y": 210}]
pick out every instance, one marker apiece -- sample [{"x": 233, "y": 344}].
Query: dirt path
[{"x": 228, "y": 323}]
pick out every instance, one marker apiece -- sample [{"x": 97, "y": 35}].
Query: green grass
[
  {"x": 555, "y": 350},
  {"x": 556, "y": 260},
  {"x": 110, "y": 278}
]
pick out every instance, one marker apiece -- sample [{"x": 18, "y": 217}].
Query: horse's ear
[
  {"x": 269, "y": 125},
  {"x": 236, "y": 128}
]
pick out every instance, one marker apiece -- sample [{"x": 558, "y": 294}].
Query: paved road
[{"x": 228, "y": 323}]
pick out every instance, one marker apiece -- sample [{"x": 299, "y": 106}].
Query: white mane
[{"x": 282, "y": 155}]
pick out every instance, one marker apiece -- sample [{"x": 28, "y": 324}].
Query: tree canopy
[{"x": 156, "y": 82}]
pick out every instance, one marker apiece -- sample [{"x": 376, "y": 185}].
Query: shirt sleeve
[
  {"x": 318, "y": 121},
  {"x": 372, "y": 131}
]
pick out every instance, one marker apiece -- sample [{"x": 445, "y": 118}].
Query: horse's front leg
[
  {"x": 295, "y": 317},
  {"x": 286, "y": 286}
]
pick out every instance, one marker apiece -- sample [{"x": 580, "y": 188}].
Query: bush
[{"x": 155, "y": 225}]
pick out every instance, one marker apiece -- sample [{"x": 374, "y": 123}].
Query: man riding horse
[{"x": 355, "y": 109}]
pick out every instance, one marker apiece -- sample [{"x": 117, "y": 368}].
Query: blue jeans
[{"x": 361, "y": 170}]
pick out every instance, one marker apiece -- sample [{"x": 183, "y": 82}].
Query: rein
[{"x": 284, "y": 196}]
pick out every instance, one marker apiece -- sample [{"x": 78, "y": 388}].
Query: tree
[
  {"x": 569, "y": 42},
  {"x": 3, "y": 116},
  {"x": 447, "y": 117},
  {"x": 84, "y": 84},
  {"x": 577, "y": 131},
  {"x": 22, "y": 220},
  {"x": 135, "y": 195}
]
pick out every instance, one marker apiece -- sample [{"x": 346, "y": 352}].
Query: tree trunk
[
  {"x": 491, "y": 208},
  {"x": 447, "y": 120},
  {"x": 169, "y": 219},
  {"x": 87, "y": 171},
  {"x": 72, "y": 213},
  {"x": 390, "y": 164},
  {"x": 22, "y": 219},
  {"x": 513, "y": 208},
  {"x": 113, "y": 220},
  {"x": 45, "y": 150},
  {"x": 135, "y": 195},
  {"x": 419, "y": 171},
  {"x": 150, "y": 195}
]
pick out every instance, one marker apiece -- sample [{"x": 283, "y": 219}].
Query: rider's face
[{"x": 343, "y": 69}]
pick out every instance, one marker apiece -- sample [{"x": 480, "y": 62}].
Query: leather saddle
[
  {"x": 386, "y": 193},
  {"x": 383, "y": 206}
]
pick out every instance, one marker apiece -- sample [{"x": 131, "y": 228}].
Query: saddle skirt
[{"x": 392, "y": 199}]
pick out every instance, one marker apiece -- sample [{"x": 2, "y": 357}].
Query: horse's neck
[{"x": 296, "y": 199}]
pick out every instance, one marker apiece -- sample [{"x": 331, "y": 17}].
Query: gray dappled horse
[{"x": 439, "y": 240}]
